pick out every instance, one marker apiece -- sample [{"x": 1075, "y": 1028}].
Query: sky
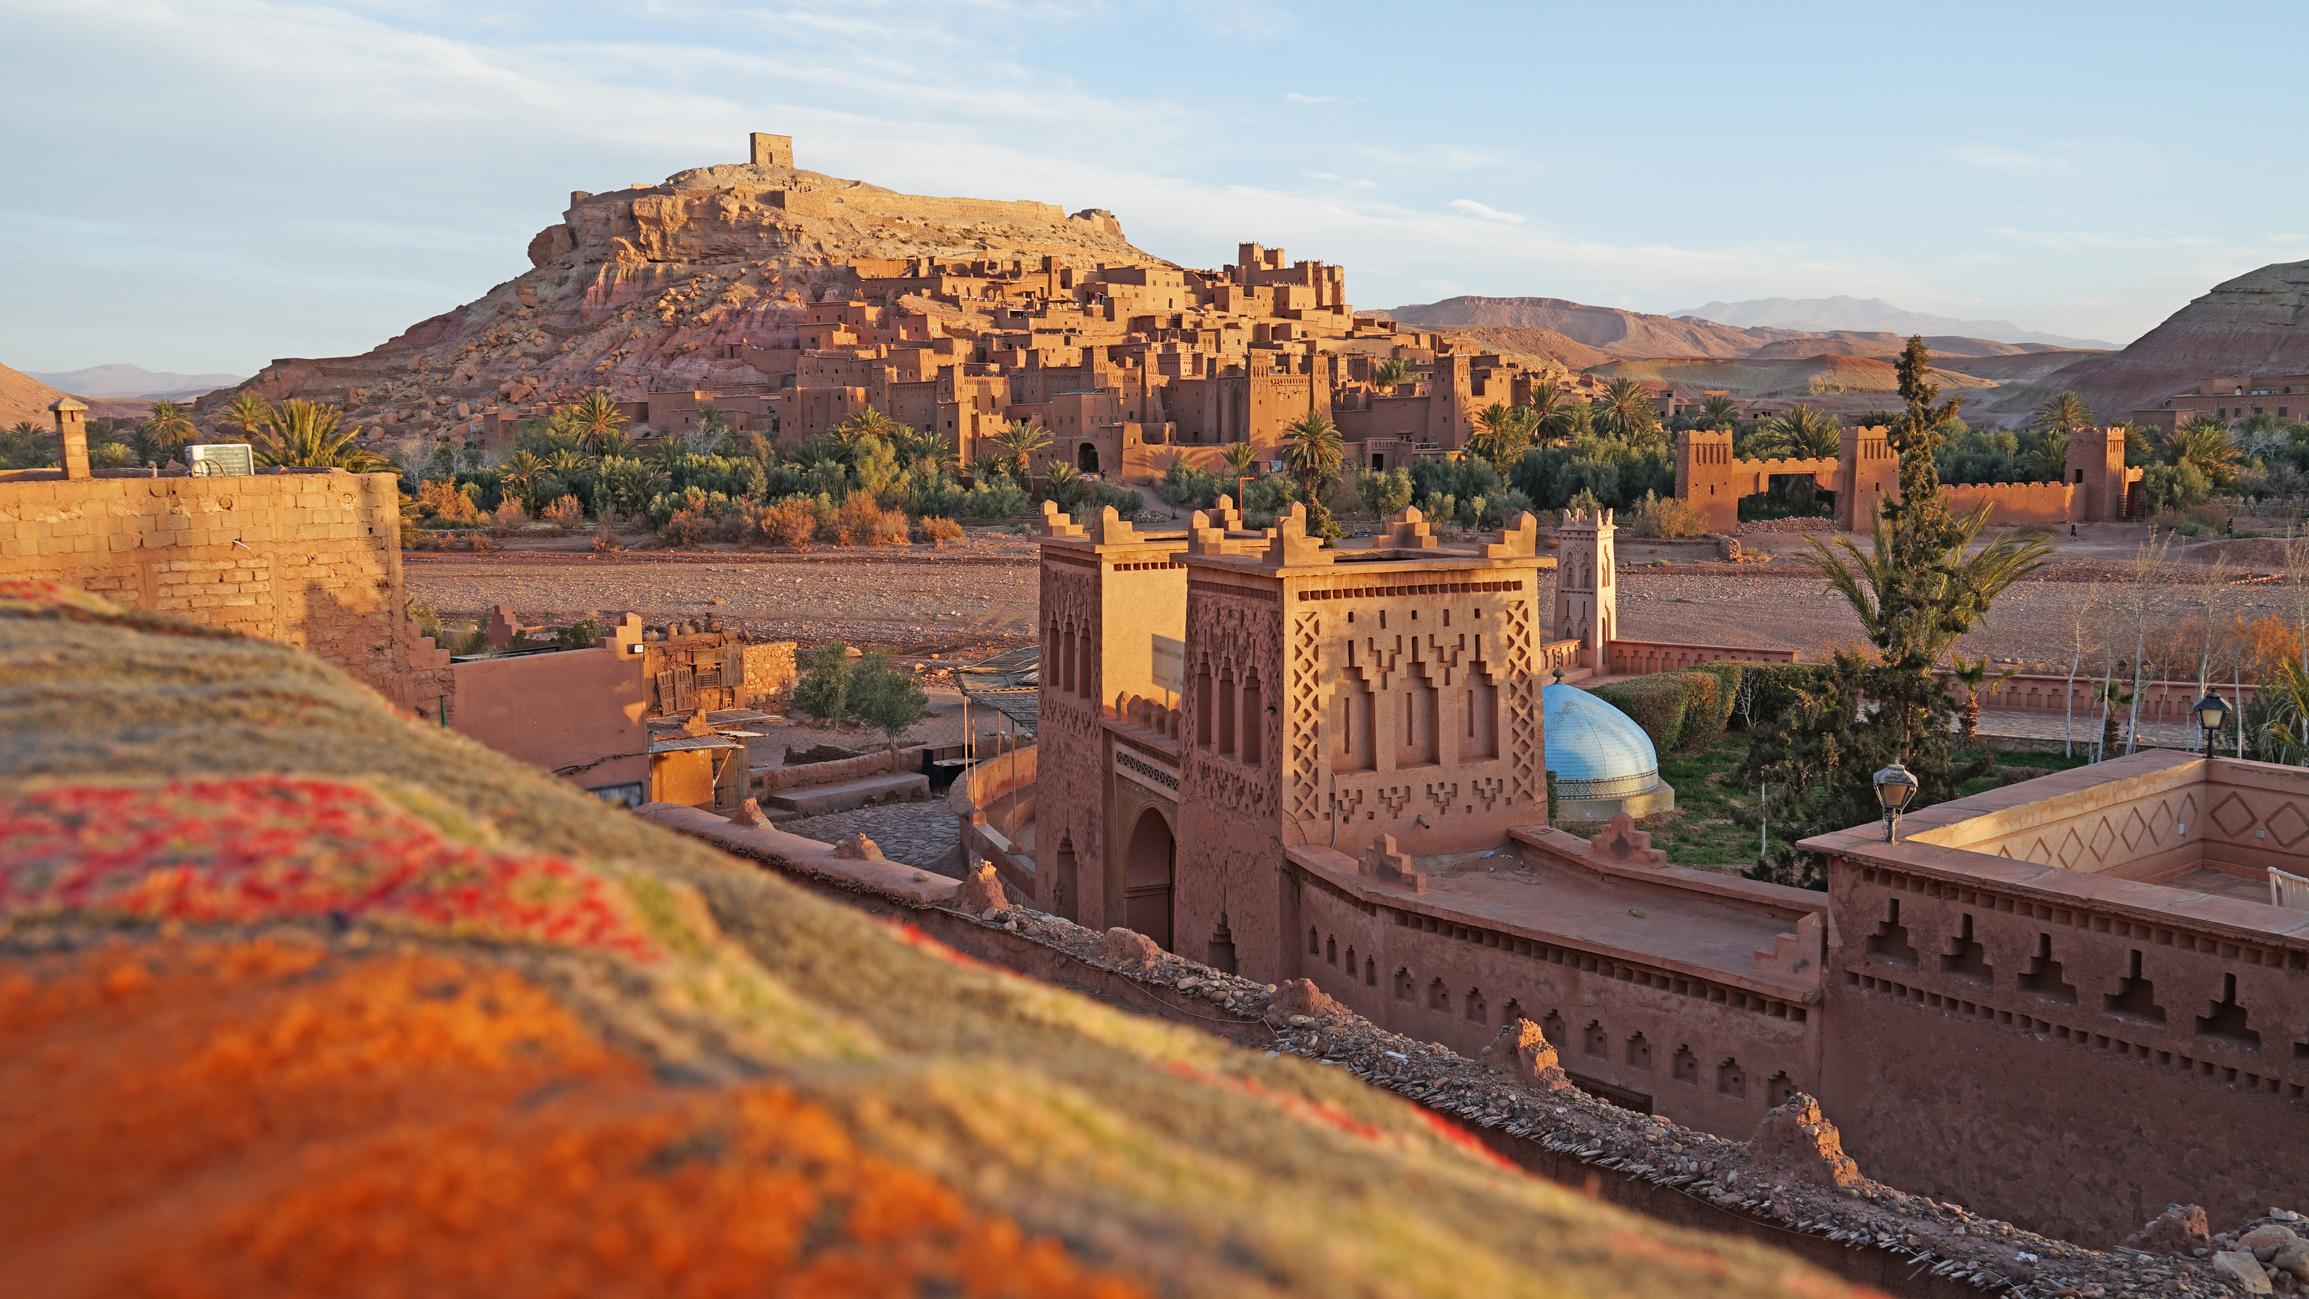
[{"x": 205, "y": 185}]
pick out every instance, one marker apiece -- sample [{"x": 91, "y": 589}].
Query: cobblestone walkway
[{"x": 917, "y": 834}]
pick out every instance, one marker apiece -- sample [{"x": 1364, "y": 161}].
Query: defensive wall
[{"x": 2094, "y": 483}]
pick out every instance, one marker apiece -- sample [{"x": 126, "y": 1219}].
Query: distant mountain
[
  {"x": 123, "y": 380},
  {"x": 1608, "y": 330},
  {"x": 1822, "y": 315}
]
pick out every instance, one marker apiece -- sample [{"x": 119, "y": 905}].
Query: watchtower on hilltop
[{"x": 771, "y": 150}]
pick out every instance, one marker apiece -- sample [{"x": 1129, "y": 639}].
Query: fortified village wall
[
  {"x": 1290, "y": 762},
  {"x": 2095, "y": 485}
]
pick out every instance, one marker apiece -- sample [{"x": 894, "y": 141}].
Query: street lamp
[
  {"x": 2211, "y": 712},
  {"x": 1895, "y": 786}
]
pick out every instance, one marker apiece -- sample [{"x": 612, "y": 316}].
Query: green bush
[
  {"x": 1655, "y": 703},
  {"x": 1772, "y": 689},
  {"x": 1730, "y": 677},
  {"x": 1703, "y": 726}
]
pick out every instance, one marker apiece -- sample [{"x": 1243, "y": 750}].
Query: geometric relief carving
[
  {"x": 2072, "y": 850},
  {"x": 1395, "y": 798},
  {"x": 1523, "y": 719},
  {"x": 1487, "y": 790},
  {"x": 1442, "y": 795},
  {"x": 2288, "y": 826},
  {"x": 2102, "y": 838},
  {"x": 1305, "y": 701},
  {"x": 2040, "y": 854},
  {"x": 2137, "y": 831},
  {"x": 2233, "y": 816}
]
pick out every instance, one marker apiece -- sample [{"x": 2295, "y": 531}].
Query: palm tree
[
  {"x": 866, "y": 423},
  {"x": 1626, "y": 412},
  {"x": 1312, "y": 449},
  {"x": 304, "y": 434},
  {"x": 2048, "y": 460},
  {"x": 1020, "y": 443},
  {"x": 2204, "y": 443},
  {"x": 712, "y": 430},
  {"x": 521, "y": 476},
  {"x": 1951, "y": 589},
  {"x": 250, "y": 412},
  {"x": 1547, "y": 410},
  {"x": 1064, "y": 484},
  {"x": 1240, "y": 457},
  {"x": 594, "y": 419},
  {"x": 1801, "y": 434},
  {"x": 1719, "y": 411},
  {"x": 165, "y": 429},
  {"x": 1974, "y": 676},
  {"x": 1501, "y": 434},
  {"x": 986, "y": 468},
  {"x": 2063, "y": 413},
  {"x": 1393, "y": 371}
]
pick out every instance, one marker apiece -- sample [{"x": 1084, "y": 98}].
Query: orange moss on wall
[{"x": 283, "y": 1117}]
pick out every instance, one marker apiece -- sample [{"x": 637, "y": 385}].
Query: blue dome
[{"x": 1593, "y": 749}]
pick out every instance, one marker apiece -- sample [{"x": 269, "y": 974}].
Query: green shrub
[
  {"x": 1655, "y": 703},
  {"x": 1769, "y": 690},
  {"x": 1703, "y": 726},
  {"x": 1730, "y": 678}
]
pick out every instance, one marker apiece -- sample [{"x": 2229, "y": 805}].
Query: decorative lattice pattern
[{"x": 1305, "y": 697}]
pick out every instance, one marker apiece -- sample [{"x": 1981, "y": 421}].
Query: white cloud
[
  {"x": 1484, "y": 210},
  {"x": 1320, "y": 175},
  {"x": 1297, "y": 98}
]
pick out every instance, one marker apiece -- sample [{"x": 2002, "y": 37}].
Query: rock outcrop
[{"x": 1795, "y": 1140}]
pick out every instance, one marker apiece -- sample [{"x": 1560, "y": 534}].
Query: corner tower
[{"x": 1586, "y": 599}]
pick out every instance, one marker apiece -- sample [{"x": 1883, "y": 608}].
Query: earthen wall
[{"x": 308, "y": 559}]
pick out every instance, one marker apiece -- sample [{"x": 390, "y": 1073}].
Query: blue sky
[{"x": 202, "y": 185}]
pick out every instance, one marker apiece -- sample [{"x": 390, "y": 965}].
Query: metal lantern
[
  {"x": 1895, "y": 788},
  {"x": 2211, "y": 711}
]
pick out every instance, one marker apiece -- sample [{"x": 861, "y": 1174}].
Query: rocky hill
[
  {"x": 654, "y": 286},
  {"x": 2257, "y": 323}
]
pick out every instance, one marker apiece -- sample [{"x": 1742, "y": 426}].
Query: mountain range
[
  {"x": 123, "y": 380},
  {"x": 1823, "y": 315}
]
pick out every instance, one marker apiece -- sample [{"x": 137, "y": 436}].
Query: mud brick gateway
[{"x": 2066, "y": 1002}]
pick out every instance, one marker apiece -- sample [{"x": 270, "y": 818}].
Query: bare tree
[
  {"x": 2082, "y": 615},
  {"x": 2150, "y": 565}
]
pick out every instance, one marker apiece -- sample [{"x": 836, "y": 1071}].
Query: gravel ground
[{"x": 978, "y": 596}]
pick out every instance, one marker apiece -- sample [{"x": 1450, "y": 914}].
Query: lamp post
[
  {"x": 1895, "y": 786},
  {"x": 2211, "y": 711}
]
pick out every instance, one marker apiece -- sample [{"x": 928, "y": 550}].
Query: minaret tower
[{"x": 1586, "y": 601}]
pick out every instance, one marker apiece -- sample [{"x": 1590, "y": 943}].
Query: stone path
[{"x": 917, "y": 834}]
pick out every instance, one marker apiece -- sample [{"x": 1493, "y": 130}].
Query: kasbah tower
[{"x": 1223, "y": 705}]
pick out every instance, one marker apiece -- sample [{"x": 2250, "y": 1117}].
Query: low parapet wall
[
  {"x": 1643, "y": 657},
  {"x": 766, "y": 781},
  {"x": 2164, "y": 703}
]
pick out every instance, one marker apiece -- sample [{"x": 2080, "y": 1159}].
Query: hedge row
[{"x": 1690, "y": 708}]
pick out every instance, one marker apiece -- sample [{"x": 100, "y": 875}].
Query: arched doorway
[
  {"x": 1147, "y": 885},
  {"x": 1086, "y": 458}
]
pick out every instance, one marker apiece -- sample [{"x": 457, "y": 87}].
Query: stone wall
[{"x": 310, "y": 559}]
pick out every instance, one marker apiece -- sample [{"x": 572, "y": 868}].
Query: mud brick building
[{"x": 2066, "y": 1002}]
